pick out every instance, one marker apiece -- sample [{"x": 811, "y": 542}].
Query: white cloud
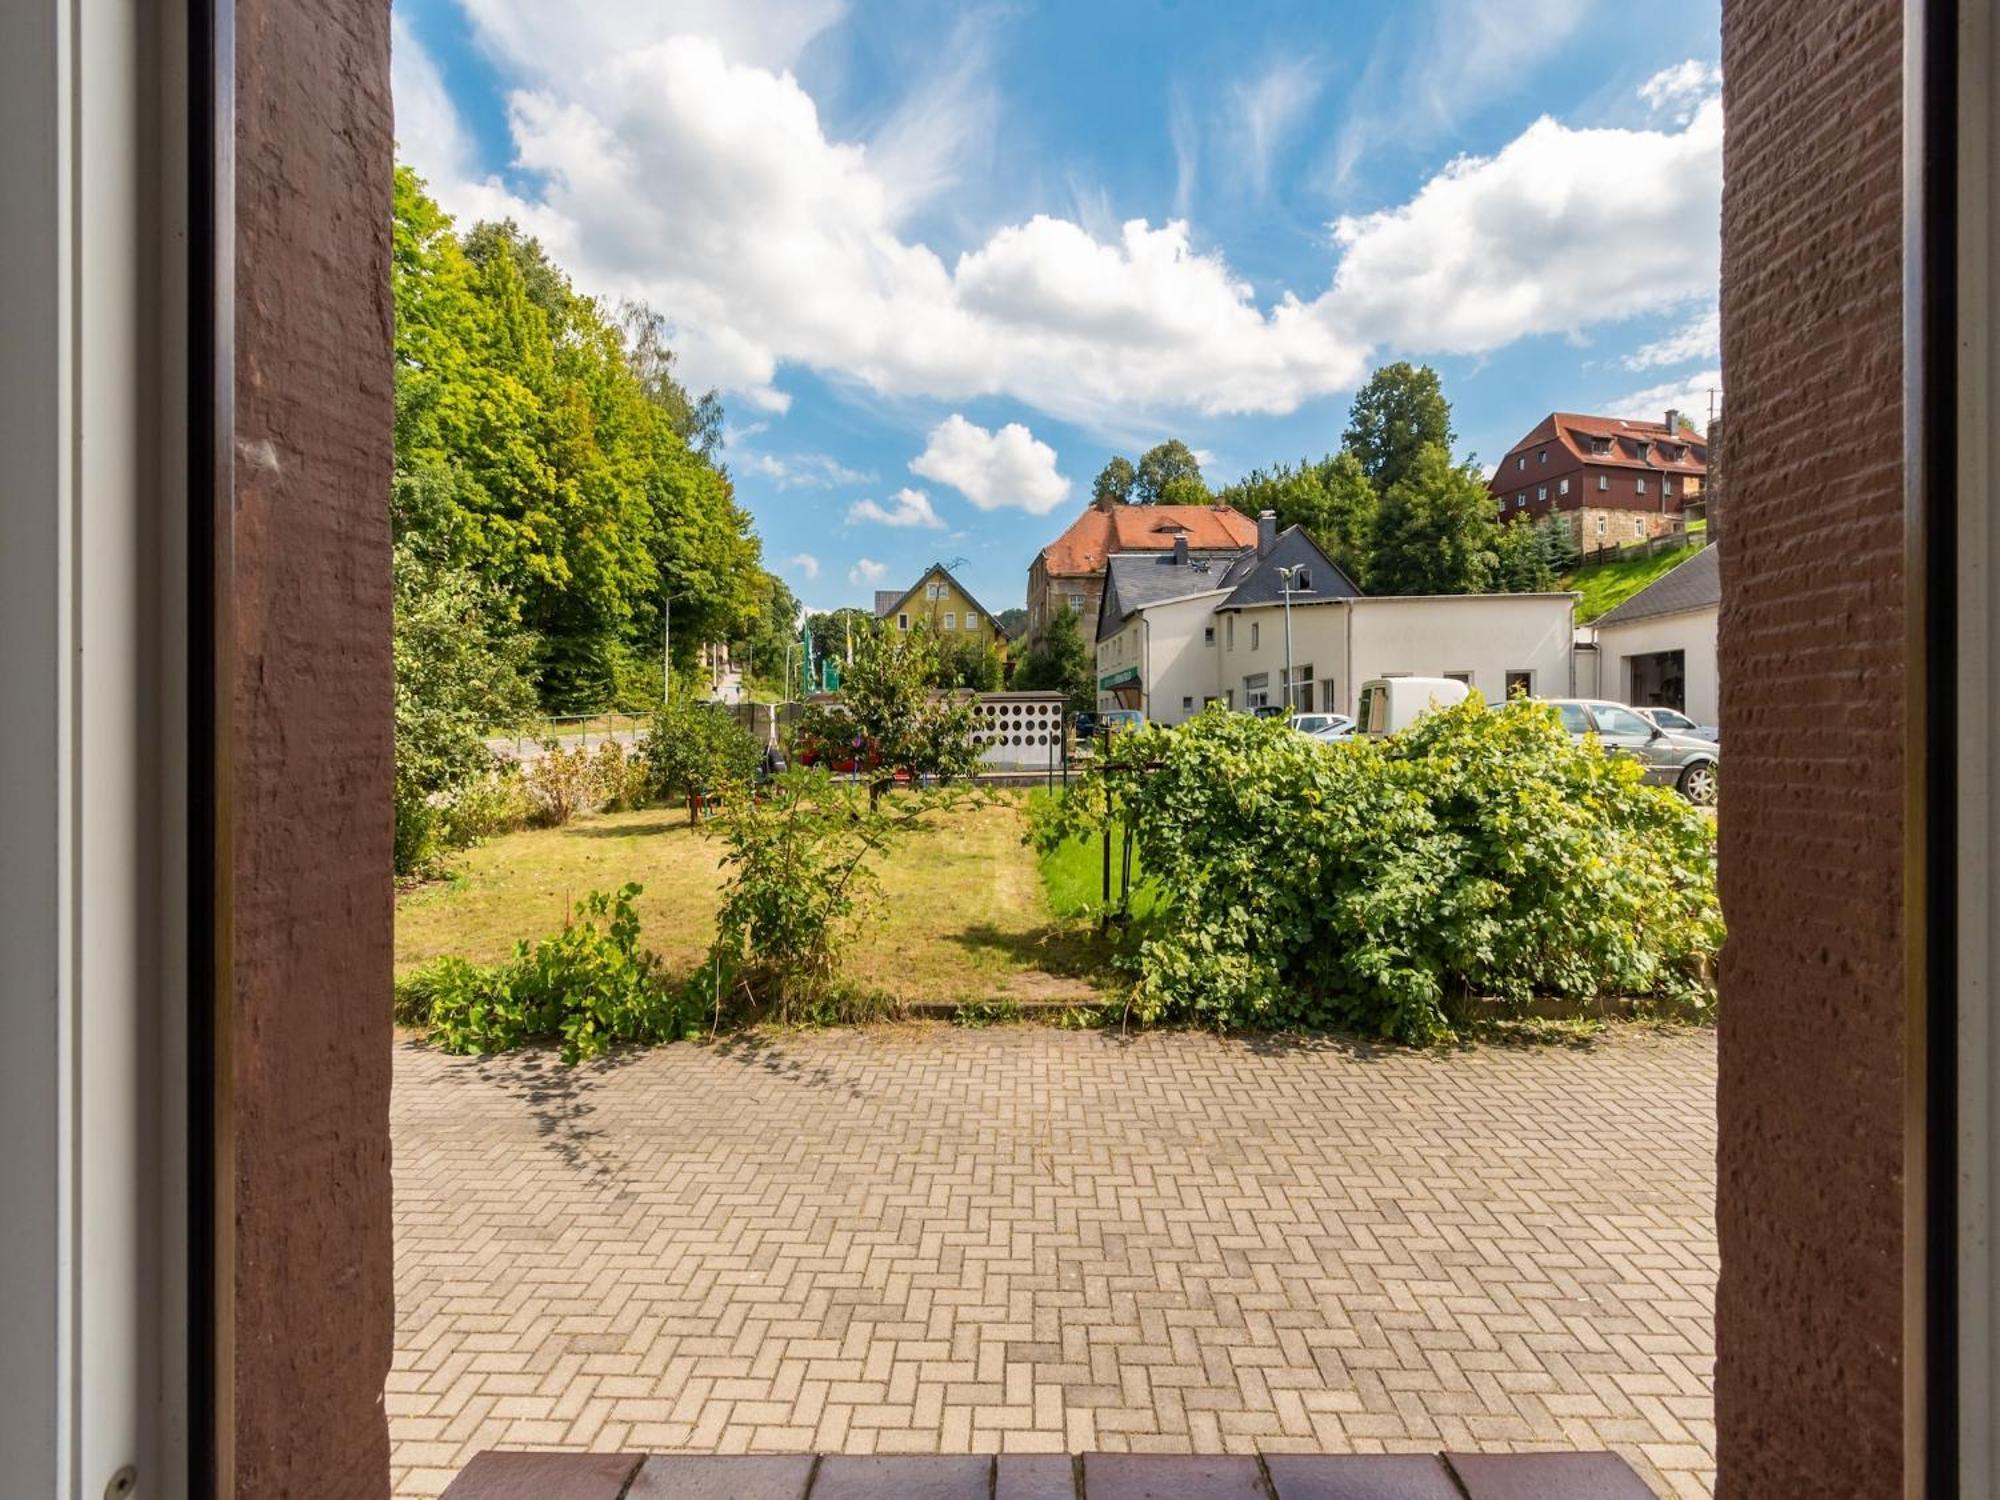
[
  {"x": 697, "y": 174},
  {"x": 907, "y": 507},
  {"x": 1268, "y": 109},
  {"x": 1698, "y": 338},
  {"x": 805, "y": 563},
  {"x": 1689, "y": 396},
  {"x": 815, "y": 471},
  {"x": 993, "y": 470},
  {"x": 1680, "y": 90},
  {"x": 1562, "y": 229},
  {"x": 1442, "y": 59},
  {"x": 866, "y": 573}
]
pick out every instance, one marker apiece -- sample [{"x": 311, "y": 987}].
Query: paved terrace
[{"x": 930, "y": 1240}]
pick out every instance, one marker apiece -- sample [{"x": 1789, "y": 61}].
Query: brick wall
[
  {"x": 1808, "y": 1323},
  {"x": 310, "y": 783}
]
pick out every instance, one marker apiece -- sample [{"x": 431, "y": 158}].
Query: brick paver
[{"x": 944, "y": 1241}]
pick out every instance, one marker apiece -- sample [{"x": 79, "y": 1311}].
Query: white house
[
  {"x": 1177, "y": 631},
  {"x": 1658, "y": 647}
]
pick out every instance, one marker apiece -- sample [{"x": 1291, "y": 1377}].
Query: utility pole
[{"x": 1285, "y": 576}]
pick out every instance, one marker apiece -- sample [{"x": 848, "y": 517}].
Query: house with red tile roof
[
  {"x": 1612, "y": 479},
  {"x": 1069, "y": 573}
]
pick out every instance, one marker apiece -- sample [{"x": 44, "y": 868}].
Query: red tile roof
[
  {"x": 1096, "y": 534},
  {"x": 1572, "y": 431}
]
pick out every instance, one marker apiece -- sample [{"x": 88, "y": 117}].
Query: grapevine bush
[{"x": 1379, "y": 884}]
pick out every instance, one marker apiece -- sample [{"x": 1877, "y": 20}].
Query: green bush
[
  {"x": 1377, "y": 885},
  {"x": 589, "y": 987},
  {"x": 694, "y": 749}
]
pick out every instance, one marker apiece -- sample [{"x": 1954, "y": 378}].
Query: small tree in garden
[
  {"x": 694, "y": 749},
  {"x": 1061, "y": 661},
  {"x": 888, "y": 703}
]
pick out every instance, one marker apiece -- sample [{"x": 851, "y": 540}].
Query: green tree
[
  {"x": 1061, "y": 661},
  {"x": 1522, "y": 562},
  {"x": 889, "y": 698},
  {"x": 1437, "y": 533},
  {"x": 1169, "y": 474},
  {"x": 1399, "y": 412},
  {"x": 460, "y": 675},
  {"x": 965, "y": 662},
  {"x": 1558, "y": 544},
  {"x": 1332, "y": 499},
  {"x": 697, "y": 749},
  {"x": 1114, "y": 481},
  {"x": 1014, "y": 621}
]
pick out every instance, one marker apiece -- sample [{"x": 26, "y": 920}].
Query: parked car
[
  {"x": 1392, "y": 703},
  {"x": 1319, "y": 724},
  {"x": 1266, "y": 711},
  {"x": 1680, "y": 761},
  {"x": 1116, "y": 720},
  {"x": 1675, "y": 722}
]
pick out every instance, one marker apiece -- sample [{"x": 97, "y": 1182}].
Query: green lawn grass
[
  {"x": 1073, "y": 876},
  {"x": 1604, "y": 586},
  {"x": 964, "y": 917}
]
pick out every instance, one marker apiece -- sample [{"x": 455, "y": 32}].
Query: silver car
[
  {"x": 1675, "y": 722},
  {"x": 1680, "y": 761}
]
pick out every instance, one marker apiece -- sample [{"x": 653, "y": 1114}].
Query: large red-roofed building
[
  {"x": 1069, "y": 572},
  {"x": 1613, "y": 479}
]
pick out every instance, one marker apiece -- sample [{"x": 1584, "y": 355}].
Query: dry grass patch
[{"x": 964, "y": 917}]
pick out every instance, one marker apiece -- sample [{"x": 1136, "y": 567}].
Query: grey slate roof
[
  {"x": 1695, "y": 584},
  {"x": 1254, "y": 579},
  {"x": 885, "y": 600},
  {"x": 1134, "y": 580}
]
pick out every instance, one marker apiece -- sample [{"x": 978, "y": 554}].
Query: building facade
[
  {"x": 1610, "y": 479},
  {"x": 944, "y": 604},
  {"x": 1069, "y": 573},
  {"x": 1658, "y": 648}
]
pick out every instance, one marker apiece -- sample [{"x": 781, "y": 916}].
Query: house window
[
  {"x": 1600, "y": 526},
  {"x": 1521, "y": 462},
  {"x": 1562, "y": 486},
  {"x": 1299, "y": 689},
  {"x": 1520, "y": 684},
  {"x": 1641, "y": 449},
  {"x": 933, "y": 591},
  {"x": 950, "y": 620},
  {"x": 1521, "y": 499},
  {"x": 1257, "y": 690},
  {"x": 1603, "y": 482},
  {"x": 1666, "y": 485},
  {"x": 1464, "y": 677},
  {"x": 1232, "y": 632},
  {"x": 1542, "y": 457},
  {"x": 1208, "y": 635},
  {"x": 1640, "y": 482},
  {"x": 1253, "y": 635},
  {"x": 1541, "y": 492},
  {"x": 1076, "y": 604},
  {"x": 902, "y": 622},
  {"x": 1638, "y": 527},
  {"x": 1187, "y": 703},
  {"x": 1302, "y": 580}
]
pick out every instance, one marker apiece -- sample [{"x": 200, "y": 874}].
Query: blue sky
[{"x": 941, "y": 262}]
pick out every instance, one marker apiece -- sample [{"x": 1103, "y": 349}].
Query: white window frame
[{"x": 951, "y": 619}]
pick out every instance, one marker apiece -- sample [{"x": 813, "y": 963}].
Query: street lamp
[
  {"x": 667, "y": 644},
  {"x": 1285, "y": 576}
]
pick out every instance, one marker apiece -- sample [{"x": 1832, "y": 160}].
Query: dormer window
[
  {"x": 1639, "y": 449},
  {"x": 1600, "y": 447}
]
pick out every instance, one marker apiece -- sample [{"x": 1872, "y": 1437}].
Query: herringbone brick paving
[{"x": 926, "y": 1239}]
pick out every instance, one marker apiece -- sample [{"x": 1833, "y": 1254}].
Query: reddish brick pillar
[
  {"x": 1808, "y": 1311},
  {"x": 310, "y": 783}
]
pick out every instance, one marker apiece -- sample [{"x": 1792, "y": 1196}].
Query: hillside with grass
[{"x": 1605, "y": 586}]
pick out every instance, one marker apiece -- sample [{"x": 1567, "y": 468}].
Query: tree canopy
[
  {"x": 1169, "y": 474},
  {"x": 1437, "y": 533},
  {"x": 1332, "y": 499},
  {"x": 1399, "y": 412}
]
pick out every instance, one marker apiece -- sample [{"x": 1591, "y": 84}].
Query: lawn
[
  {"x": 1605, "y": 586},
  {"x": 1073, "y": 876},
  {"x": 964, "y": 917}
]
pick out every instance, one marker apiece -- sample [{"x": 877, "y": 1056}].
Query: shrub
[
  {"x": 589, "y": 987},
  {"x": 622, "y": 778},
  {"x": 905, "y": 724},
  {"x": 561, "y": 783},
  {"x": 694, "y": 749},
  {"x": 495, "y": 803},
  {"x": 1377, "y": 885},
  {"x": 797, "y": 882}
]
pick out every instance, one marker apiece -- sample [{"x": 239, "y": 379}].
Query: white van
[{"x": 1392, "y": 703}]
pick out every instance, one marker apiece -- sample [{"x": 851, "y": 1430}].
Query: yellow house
[{"x": 941, "y": 602}]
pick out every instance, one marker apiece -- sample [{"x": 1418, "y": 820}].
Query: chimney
[
  {"x": 1180, "y": 549},
  {"x": 1673, "y": 422},
  {"x": 1267, "y": 530}
]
